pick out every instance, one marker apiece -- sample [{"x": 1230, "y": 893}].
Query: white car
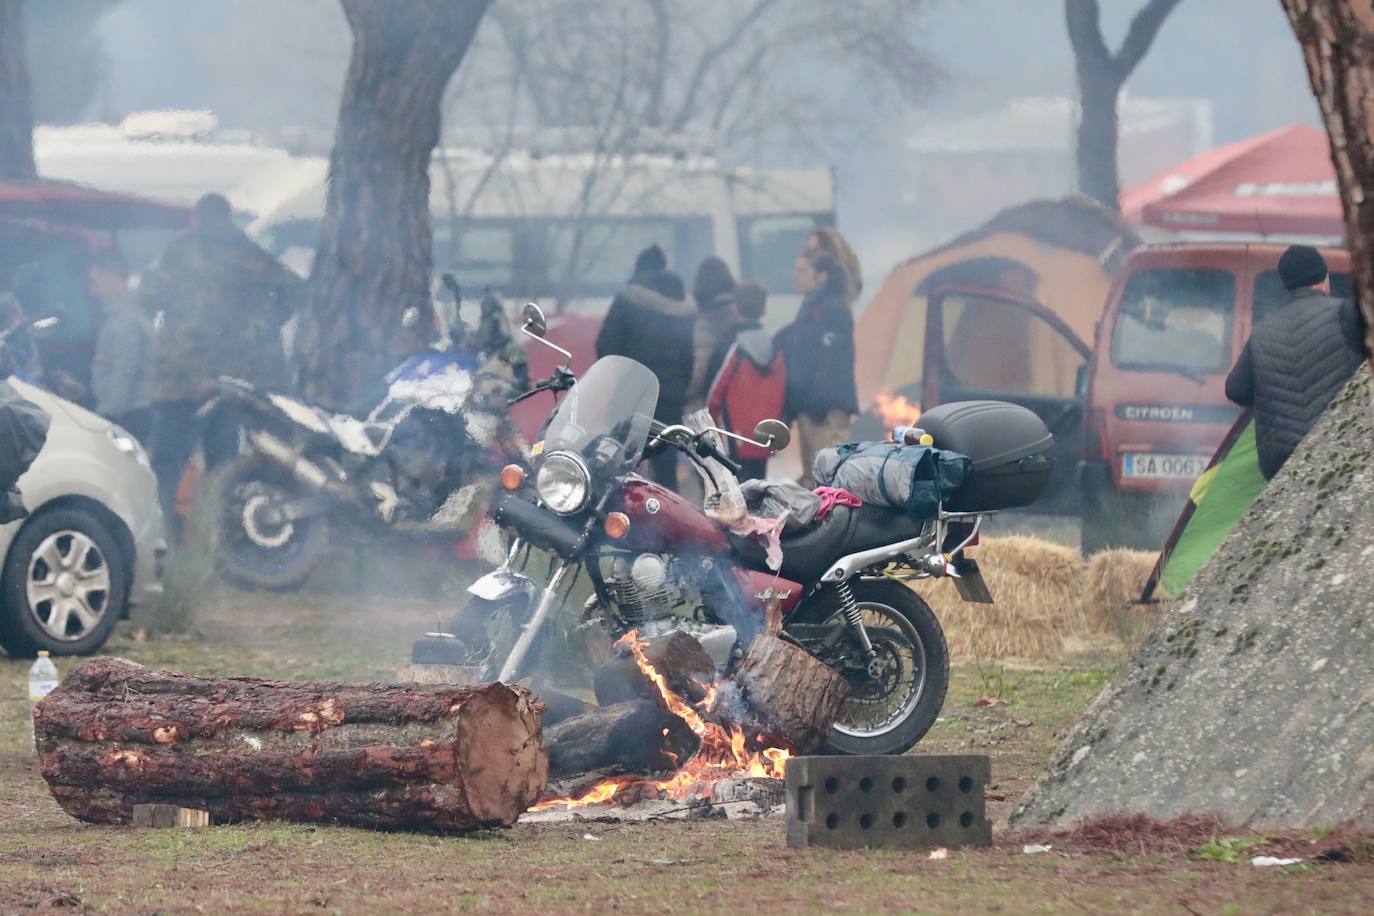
[{"x": 93, "y": 543}]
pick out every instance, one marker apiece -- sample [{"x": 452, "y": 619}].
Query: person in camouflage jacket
[{"x": 222, "y": 301}]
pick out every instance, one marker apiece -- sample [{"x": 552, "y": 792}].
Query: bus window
[
  {"x": 769, "y": 246},
  {"x": 479, "y": 254},
  {"x": 594, "y": 257}
]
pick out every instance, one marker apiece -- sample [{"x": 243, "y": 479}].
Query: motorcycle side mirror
[
  {"x": 535, "y": 324},
  {"x": 772, "y": 435}
]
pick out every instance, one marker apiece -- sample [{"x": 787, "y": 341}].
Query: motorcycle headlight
[
  {"x": 563, "y": 483},
  {"x": 127, "y": 444}
]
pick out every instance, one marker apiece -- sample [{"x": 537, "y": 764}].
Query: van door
[{"x": 985, "y": 346}]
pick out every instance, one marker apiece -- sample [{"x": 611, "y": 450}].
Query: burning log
[
  {"x": 637, "y": 736},
  {"x": 791, "y": 692},
  {"x": 684, "y": 665},
  {"x": 116, "y": 734}
]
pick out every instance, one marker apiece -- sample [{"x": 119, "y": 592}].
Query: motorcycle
[
  {"x": 657, "y": 563},
  {"x": 420, "y": 464}
]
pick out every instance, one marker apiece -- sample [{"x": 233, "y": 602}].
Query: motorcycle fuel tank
[{"x": 662, "y": 520}]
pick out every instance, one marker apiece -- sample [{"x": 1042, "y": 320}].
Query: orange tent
[{"x": 1060, "y": 254}]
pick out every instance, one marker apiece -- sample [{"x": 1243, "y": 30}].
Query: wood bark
[
  {"x": 686, "y": 669},
  {"x": 116, "y": 734},
  {"x": 16, "y": 106},
  {"x": 637, "y": 736},
  {"x": 1101, "y": 75},
  {"x": 375, "y": 253},
  {"x": 790, "y": 692},
  {"x": 1337, "y": 38}
]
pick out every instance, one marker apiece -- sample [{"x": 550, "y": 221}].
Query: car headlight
[
  {"x": 122, "y": 440},
  {"x": 563, "y": 483}
]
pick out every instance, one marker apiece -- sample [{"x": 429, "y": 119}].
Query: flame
[
  {"x": 723, "y": 753},
  {"x": 896, "y": 411}
]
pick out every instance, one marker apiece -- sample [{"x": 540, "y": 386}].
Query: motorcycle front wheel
[
  {"x": 486, "y": 631},
  {"x": 894, "y": 702},
  {"x": 254, "y": 547}
]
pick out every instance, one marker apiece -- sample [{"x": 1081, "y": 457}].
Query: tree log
[
  {"x": 790, "y": 692},
  {"x": 686, "y": 669},
  {"x": 116, "y": 734},
  {"x": 637, "y": 736}
]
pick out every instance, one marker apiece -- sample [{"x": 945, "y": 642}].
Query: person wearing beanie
[
  {"x": 651, "y": 322},
  {"x": 1296, "y": 360},
  {"x": 714, "y": 293}
]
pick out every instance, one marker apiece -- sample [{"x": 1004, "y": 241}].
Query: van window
[
  {"x": 991, "y": 345},
  {"x": 594, "y": 257},
  {"x": 1269, "y": 293},
  {"x": 1173, "y": 319},
  {"x": 769, "y": 246}
]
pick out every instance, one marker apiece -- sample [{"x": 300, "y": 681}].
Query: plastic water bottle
[
  {"x": 911, "y": 435},
  {"x": 42, "y": 681}
]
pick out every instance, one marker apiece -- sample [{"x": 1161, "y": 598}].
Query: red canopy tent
[{"x": 1280, "y": 183}]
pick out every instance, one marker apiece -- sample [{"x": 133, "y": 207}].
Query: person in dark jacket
[
  {"x": 1295, "y": 361},
  {"x": 714, "y": 294},
  {"x": 818, "y": 350},
  {"x": 650, "y": 321}
]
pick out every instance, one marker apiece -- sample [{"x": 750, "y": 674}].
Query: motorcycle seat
[{"x": 808, "y": 553}]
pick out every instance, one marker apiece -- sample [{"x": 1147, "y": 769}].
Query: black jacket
[
  {"x": 656, "y": 330},
  {"x": 1295, "y": 362},
  {"x": 818, "y": 350}
]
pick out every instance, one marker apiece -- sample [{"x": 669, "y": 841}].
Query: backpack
[{"x": 749, "y": 387}]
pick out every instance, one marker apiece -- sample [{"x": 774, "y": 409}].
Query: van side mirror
[{"x": 1080, "y": 381}]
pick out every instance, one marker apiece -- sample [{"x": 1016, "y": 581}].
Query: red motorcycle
[{"x": 657, "y": 563}]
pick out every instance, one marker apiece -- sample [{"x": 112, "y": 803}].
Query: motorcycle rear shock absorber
[{"x": 849, "y": 607}]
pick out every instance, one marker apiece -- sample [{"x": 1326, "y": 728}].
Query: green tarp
[{"x": 1223, "y": 496}]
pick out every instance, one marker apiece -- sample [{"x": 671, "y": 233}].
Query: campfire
[
  {"x": 896, "y": 410},
  {"x": 726, "y": 750}
]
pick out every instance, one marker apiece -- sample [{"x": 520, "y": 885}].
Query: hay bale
[
  {"x": 1036, "y": 585},
  {"x": 1113, "y": 582}
]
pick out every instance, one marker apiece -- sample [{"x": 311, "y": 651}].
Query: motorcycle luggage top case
[{"x": 1009, "y": 446}]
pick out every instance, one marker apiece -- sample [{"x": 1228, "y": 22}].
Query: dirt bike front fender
[{"x": 503, "y": 584}]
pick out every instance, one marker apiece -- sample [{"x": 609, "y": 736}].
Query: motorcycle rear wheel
[
  {"x": 889, "y": 714},
  {"x": 254, "y": 559}
]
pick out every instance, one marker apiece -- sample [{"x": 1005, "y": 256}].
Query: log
[
  {"x": 790, "y": 692},
  {"x": 637, "y": 736},
  {"x": 680, "y": 659},
  {"x": 115, "y": 734},
  {"x": 169, "y": 816}
]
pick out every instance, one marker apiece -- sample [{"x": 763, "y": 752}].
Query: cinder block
[{"x": 888, "y": 802}]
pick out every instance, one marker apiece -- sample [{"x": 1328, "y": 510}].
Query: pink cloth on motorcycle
[
  {"x": 832, "y": 497},
  {"x": 767, "y": 530}
]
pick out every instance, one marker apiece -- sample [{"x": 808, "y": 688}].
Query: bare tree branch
[
  {"x": 1141, "y": 34},
  {"x": 711, "y": 56},
  {"x": 1085, "y": 33}
]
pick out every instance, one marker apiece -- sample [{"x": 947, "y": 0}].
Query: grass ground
[{"x": 50, "y": 862}]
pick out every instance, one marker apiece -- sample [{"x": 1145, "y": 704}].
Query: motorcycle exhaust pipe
[{"x": 307, "y": 472}]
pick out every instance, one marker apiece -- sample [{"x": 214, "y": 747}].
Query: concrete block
[{"x": 888, "y": 802}]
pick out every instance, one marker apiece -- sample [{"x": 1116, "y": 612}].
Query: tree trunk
[
  {"x": 686, "y": 669},
  {"x": 116, "y": 734},
  {"x": 1099, "y": 129},
  {"x": 791, "y": 693},
  {"x": 1337, "y": 37},
  {"x": 637, "y": 736},
  {"x": 375, "y": 255},
  {"x": 16, "y": 111}
]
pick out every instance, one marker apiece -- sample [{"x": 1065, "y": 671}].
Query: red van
[{"x": 1155, "y": 407}]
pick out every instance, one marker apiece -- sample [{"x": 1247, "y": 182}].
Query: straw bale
[
  {"x": 1036, "y": 586},
  {"x": 1113, "y": 582}
]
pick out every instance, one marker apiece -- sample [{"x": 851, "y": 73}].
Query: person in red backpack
[{"x": 749, "y": 380}]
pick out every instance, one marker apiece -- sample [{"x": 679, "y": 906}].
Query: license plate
[{"x": 1162, "y": 467}]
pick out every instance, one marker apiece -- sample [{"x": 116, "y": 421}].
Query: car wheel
[{"x": 65, "y": 585}]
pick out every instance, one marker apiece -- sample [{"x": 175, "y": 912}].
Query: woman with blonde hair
[{"x": 827, "y": 240}]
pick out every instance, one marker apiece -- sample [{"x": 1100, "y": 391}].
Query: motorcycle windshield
[{"x": 606, "y": 416}]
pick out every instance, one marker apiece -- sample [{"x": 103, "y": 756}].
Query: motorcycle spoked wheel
[
  {"x": 254, "y": 551},
  {"x": 890, "y": 712}
]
